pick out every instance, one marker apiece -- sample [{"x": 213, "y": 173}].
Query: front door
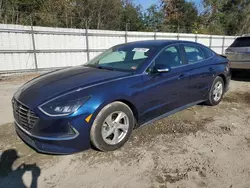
[{"x": 164, "y": 92}]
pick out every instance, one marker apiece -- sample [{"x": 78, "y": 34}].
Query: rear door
[{"x": 201, "y": 70}]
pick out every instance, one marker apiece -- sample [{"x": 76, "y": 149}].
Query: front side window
[
  {"x": 170, "y": 57},
  {"x": 193, "y": 53},
  {"x": 124, "y": 57}
]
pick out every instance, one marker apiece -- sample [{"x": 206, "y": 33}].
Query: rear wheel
[
  {"x": 112, "y": 127},
  {"x": 216, "y": 92}
]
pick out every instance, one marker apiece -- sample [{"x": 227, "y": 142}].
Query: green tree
[
  {"x": 154, "y": 18},
  {"x": 99, "y": 14},
  {"x": 226, "y": 17},
  {"x": 245, "y": 29},
  {"x": 180, "y": 16},
  {"x": 42, "y": 12},
  {"x": 132, "y": 17},
  {"x": 17, "y": 11},
  {"x": 54, "y": 13}
]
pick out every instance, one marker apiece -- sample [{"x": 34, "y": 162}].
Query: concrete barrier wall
[{"x": 28, "y": 48}]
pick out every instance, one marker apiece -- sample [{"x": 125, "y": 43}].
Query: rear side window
[
  {"x": 207, "y": 52},
  {"x": 193, "y": 53},
  {"x": 241, "y": 42}
]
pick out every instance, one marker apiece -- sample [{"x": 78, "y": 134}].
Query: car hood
[{"x": 50, "y": 85}]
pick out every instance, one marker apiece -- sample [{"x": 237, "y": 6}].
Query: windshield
[
  {"x": 241, "y": 42},
  {"x": 123, "y": 58}
]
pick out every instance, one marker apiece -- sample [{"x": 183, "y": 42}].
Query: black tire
[
  {"x": 96, "y": 129},
  {"x": 211, "y": 101}
]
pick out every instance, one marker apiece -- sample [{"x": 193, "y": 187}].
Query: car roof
[
  {"x": 245, "y": 36},
  {"x": 158, "y": 42}
]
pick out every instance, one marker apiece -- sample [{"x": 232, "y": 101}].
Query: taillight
[{"x": 228, "y": 66}]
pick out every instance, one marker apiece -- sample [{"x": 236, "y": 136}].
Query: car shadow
[
  {"x": 243, "y": 75},
  {"x": 10, "y": 177}
]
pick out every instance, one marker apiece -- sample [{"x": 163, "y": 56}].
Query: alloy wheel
[
  {"x": 115, "y": 127},
  {"x": 218, "y": 91}
]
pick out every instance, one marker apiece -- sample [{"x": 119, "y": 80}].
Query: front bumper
[
  {"x": 58, "y": 145},
  {"x": 58, "y": 135}
]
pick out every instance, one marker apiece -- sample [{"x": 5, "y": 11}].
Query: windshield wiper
[{"x": 100, "y": 67}]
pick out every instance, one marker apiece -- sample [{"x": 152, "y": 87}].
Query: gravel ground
[{"x": 199, "y": 147}]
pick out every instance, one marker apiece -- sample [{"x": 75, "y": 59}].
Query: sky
[{"x": 146, "y": 3}]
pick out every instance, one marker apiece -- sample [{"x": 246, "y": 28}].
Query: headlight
[{"x": 63, "y": 106}]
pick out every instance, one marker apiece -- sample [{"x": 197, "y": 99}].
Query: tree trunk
[{"x": 99, "y": 16}]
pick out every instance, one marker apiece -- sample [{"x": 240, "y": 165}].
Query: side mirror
[{"x": 161, "y": 68}]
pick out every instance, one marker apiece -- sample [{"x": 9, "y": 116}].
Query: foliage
[
  {"x": 154, "y": 18},
  {"x": 224, "y": 17},
  {"x": 180, "y": 15},
  {"x": 131, "y": 17}
]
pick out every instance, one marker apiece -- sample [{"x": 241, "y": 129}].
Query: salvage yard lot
[{"x": 199, "y": 147}]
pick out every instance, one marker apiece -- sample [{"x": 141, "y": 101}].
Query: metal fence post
[
  {"x": 223, "y": 44},
  {"x": 33, "y": 42},
  {"x": 210, "y": 41},
  {"x": 126, "y": 33},
  {"x": 87, "y": 41},
  {"x": 126, "y": 36},
  {"x": 155, "y": 34}
]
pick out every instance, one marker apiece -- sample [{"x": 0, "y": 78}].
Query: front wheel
[
  {"x": 216, "y": 92},
  {"x": 112, "y": 127}
]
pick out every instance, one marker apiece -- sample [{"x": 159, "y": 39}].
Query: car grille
[{"x": 25, "y": 117}]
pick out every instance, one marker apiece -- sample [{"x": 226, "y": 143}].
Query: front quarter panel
[{"x": 100, "y": 95}]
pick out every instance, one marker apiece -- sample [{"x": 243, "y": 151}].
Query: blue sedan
[{"x": 129, "y": 85}]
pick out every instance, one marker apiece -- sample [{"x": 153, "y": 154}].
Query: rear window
[
  {"x": 193, "y": 53},
  {"x": 241, "y": 42},
  {"x": 207, "y": 52}
]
